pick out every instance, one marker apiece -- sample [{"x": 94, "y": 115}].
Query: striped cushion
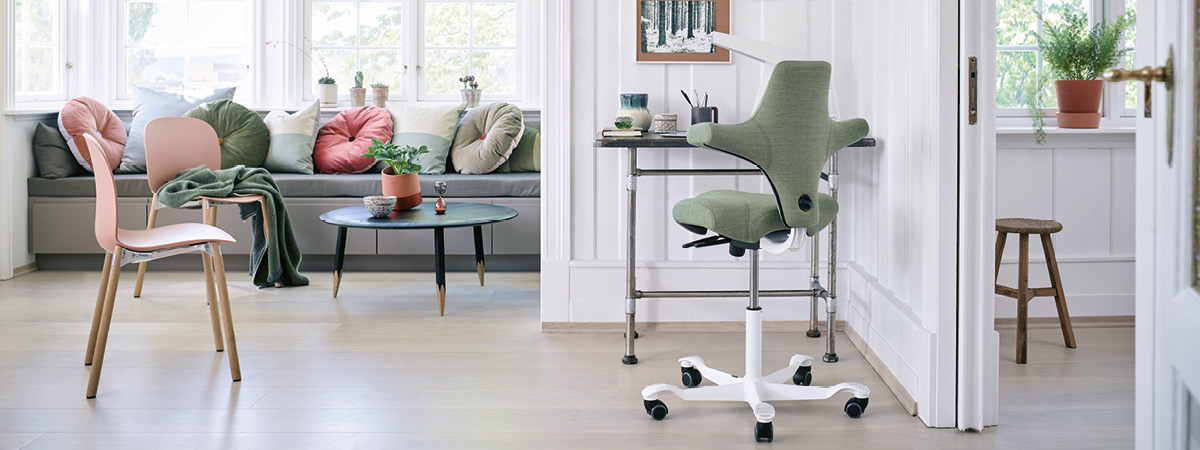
[{"x": 432, "y": 127}]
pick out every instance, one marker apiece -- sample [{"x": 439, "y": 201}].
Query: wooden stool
[{"x": 1023, "y": 293}]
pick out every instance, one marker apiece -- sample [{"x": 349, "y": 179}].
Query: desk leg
[
  {"x": 439, "y": 259},
  {"x": 338, "y": 256},
  {"x": 831, "y": 302},
  {"x": 814, "y": 330},
  {"x": 479, "y": 252},
  {"x": 631, "y": 259}
]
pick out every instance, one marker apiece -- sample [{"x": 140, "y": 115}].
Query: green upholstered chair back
[{"x": 789, "y": 137}]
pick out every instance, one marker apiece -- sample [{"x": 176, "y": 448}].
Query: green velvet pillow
[
  {"x": 527, "y": 157},
  {"x": 53, "y": 156},
  {"x": 244, "y": 137}
]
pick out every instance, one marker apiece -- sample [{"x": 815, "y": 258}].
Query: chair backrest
[
  {"x": 177, "y": 143},
  {"x": 106, "y": 193}
]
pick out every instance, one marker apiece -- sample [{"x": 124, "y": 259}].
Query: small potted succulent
[
  {"x": 400, "y": 176},
  {"x": 327, "y": 92},
  {"x": 358, "y": 94},
  {"x": 379, "y": 93},
  {"x": 470, "y": 91}
]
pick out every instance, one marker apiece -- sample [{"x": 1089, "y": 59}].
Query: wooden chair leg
[
  {"x": 226, "y": 313},
  {"x": 1023, "y": 299},
  {"x": 210, "y": 294},
  {"x": 110, "y": 296},
  {"x": 1060, "y": 297},
  {"x": 100, "y": 295},
  {"x": 137, "y": 285},
  {"x": 1001, "y": 237}
]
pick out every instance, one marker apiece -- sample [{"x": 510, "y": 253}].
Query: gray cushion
[
  {"x": 53, "y": 157},
  {"x": 318, "y": 185}
]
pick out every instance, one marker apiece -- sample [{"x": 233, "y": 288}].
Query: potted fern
[
  {"x": 358, "y": 94},
  {"x": 1078, "y": 55},
  {"x": 400, "y": 176}
]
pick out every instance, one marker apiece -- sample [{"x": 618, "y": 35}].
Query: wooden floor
[{"x": 377, "y": 368}]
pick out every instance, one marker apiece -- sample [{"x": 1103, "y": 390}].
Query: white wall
[
  {"x": 898, "y": 204},
  {"x": 1084, "y": 181}
]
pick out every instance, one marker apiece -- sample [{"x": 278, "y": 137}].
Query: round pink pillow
[
  {"x": 343, "y": 140},
  {"x": 85, "y": 115}
]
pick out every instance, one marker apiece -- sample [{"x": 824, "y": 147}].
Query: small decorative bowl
[
  {"x": 379, "y": 205},
  {"x": 623, "y": 122}
]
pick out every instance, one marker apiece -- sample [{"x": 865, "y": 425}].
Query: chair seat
[
  {"x": 171, "y": 236},
  {"x": 741, "y": 216},
  {"x": 233, "y": 199},
  {"x": 1027, "y": 226}
]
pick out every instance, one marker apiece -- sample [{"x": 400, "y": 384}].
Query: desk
[{"x": 815, "y": 290}]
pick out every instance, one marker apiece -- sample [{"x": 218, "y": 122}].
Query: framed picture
[{"x": 681, "y": 31}]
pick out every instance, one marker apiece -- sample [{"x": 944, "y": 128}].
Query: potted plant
[
  {"x": 1078, "y": 55},
  {"x": 400, "y": 176},
  {"x": 358, "y": 94},
  {"x": 379, "y": 93},
  {"x": 470, "y": 91},
  {"x": 326, "y": 88}
]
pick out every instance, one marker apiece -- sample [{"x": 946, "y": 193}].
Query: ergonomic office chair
[{"x": 789, "y": 137}]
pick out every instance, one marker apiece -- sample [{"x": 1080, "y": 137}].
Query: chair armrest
[
  {"x": 744, "y": 140},
  {"x": 846, "y": 132}
]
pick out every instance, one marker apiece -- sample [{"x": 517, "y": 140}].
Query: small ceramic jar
[{"x": 665, "y": 123}]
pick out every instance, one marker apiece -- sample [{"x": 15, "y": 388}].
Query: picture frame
[{"x": 676, "y": 45}]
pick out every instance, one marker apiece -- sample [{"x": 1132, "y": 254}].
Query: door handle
[{"x": 1164, "y": 74}]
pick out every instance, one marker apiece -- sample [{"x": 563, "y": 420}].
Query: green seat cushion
[
  {"x": 741, "y": 216},
  {"x": 486, "y": 138},
  {"x": 245, "y": 139}
]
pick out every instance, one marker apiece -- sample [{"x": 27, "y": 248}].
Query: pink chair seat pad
[
  {"x": 85, "y": 115},
  {"x": 343, "y": 140},
  {"x": 171, "y": 236}
]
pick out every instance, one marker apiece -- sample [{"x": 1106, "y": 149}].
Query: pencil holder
[{"x": 704, "y": 114}]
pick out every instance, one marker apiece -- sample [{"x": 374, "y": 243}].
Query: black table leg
[
  {"x": 479, "y": 252},
  {"x": 439, "y": 258},
  {"x": 339, "y": 255}
]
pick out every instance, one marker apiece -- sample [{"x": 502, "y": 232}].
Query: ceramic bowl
[{"x": 379, "y": 205}]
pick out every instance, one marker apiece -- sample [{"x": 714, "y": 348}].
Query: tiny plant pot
[
  {"x": 1078, "y": 103},
  {"x": 358, "y": 97},
  {"x": 406, "y": 188},
  {"x": 328, "y": 95},
  {"x": 471, "y": 97},
  {"x": 380, "y": 97}
]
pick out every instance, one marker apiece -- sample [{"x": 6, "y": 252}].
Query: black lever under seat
[{"x": 708, "y": 242}]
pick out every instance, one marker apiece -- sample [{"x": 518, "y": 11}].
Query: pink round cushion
[
  {"x": 85, "y": 115},
  {"x": 343, "y": 140}
]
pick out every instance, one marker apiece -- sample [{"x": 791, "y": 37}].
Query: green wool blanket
[{"x": 282, "y": 255}]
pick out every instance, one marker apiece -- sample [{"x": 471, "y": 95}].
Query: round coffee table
[{"x": 422, "y": 217}]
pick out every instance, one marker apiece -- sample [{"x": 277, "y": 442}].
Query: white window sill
[{"x": 1051, "y": 130}]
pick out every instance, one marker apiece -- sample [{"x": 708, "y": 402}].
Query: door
[{"x": 1168, "y": 256}]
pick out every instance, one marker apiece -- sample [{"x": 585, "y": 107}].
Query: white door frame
[
  {"x": 1144, "y": 261},
  {"x": 978, "y": 342}
]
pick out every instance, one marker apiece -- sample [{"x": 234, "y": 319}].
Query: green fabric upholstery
[
  {"x": 245, "y": 139},
  {"x": 789, "y": 137}
]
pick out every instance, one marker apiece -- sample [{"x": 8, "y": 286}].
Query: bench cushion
[{"x": 319, "y": 185}]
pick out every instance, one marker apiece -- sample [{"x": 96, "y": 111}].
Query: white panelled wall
[
  {"x": 897, "y": 246},
  {"x": 1085, "y": 181}
]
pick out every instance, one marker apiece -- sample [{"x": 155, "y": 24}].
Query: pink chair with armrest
[{"x": 123, "y": 247}]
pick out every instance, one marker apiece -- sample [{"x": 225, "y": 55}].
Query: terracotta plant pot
[
  {"x": 380, "y": 96},
  {"x": 358, "y": 97},
  {"x": 406, "y": 188},
  {"x": 1078, "y": 103}
]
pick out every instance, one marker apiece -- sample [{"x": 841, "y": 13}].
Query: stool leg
[
  {"x": 1000, "y": 238},
  {"x": 1060, "y": 298},
  {"x": 1022, "y": 299}
]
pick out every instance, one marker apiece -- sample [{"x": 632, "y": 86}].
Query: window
[
  {"x": 1019, "y": 61},
  {"x": 470, "y": 37},
  {"x": 39, "y": 67},
  {"x": 359, "y": 36},
  {"x": 186, "y": 45},
  {"x": 439, "y": 40}
]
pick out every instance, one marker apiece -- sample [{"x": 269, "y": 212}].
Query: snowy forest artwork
[{"x": 681, "y": 30}]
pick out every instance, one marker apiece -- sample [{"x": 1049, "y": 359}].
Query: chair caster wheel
[
  {"x": 691, "y": 376},
  {"x": 656, "y": 409},
  {"x": 855, "y": 407},
  {"x": 803, "y": 376},
  {"x": 764, "y": 432}
]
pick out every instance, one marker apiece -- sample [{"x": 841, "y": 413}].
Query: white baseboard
[
  {"x": 1010, "y": 323},
  {"x": 902, "y": 395}
]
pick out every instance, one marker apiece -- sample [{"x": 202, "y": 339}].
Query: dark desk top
[
  {"x": 457, "y": 215},
  {"x": 677, "y": 141}
]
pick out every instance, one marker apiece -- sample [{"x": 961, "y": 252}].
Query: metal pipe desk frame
[{"x": 632, "y": 293}]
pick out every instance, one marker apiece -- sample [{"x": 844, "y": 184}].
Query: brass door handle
[
  {"x": 1164, "y": 74},
  {"x": 1146, "y": 74}
]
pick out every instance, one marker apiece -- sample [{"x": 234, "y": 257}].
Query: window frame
[
  {"x": 65, "y": 35},
  {"x": 516, "y": 47},
  {"x": 1112, "y": 106},
  {"x": 310, "y": 78},
  {"x": 120, "y": 48}
]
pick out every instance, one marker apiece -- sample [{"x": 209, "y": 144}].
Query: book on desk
[{"x": 621, "y": 132}]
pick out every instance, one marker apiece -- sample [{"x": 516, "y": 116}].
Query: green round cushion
[
  {"x": 486, "y": 138},
  {"x": 243, "y": 135}
]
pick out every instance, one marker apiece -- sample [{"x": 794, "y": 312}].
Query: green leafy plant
[
  {"x": 358, "y": 79},
  {"x": 1075, "y": 51},
  {"x": 379, "y": 86},
  {"x": 402, "y": 160}
]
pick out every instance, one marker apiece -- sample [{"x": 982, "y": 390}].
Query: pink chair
[
  {"x": 129, "y": 246},
  {"x": 178, "y": 143}
]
